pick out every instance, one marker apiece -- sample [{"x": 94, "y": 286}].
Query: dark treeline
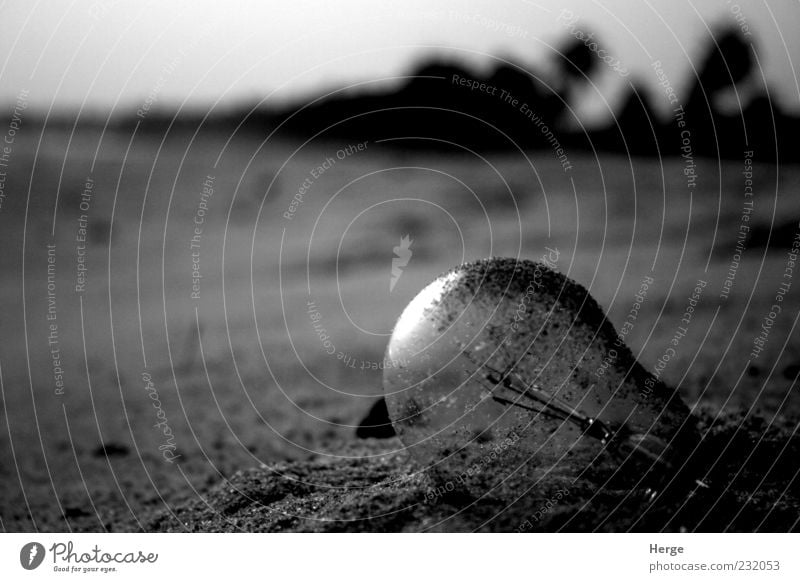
[
  {"x": 726, "y": 111},
  {"x": 519, "y": 107}
]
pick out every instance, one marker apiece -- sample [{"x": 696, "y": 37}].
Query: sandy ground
[
  {"x": 749, "y": 473},
  {"x": 263, "y": 418}
]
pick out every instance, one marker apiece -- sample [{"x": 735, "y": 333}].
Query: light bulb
[{"x": 501, "y": 377}]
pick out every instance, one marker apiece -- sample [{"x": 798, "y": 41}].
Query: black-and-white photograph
[{"x": 516, "y": 266}]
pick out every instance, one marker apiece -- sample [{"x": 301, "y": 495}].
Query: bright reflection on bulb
[{"x": 497, "y": 386}]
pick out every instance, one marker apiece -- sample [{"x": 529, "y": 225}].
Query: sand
[{"x": 747, "y": 492}]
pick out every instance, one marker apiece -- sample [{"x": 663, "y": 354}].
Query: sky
[{"x": 116, "y": 55}]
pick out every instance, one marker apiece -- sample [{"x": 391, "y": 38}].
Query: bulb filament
[{"x": 509, "y": 389}]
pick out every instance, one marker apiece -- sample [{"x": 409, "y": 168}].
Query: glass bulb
[{"x": 501, "y": 377}]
